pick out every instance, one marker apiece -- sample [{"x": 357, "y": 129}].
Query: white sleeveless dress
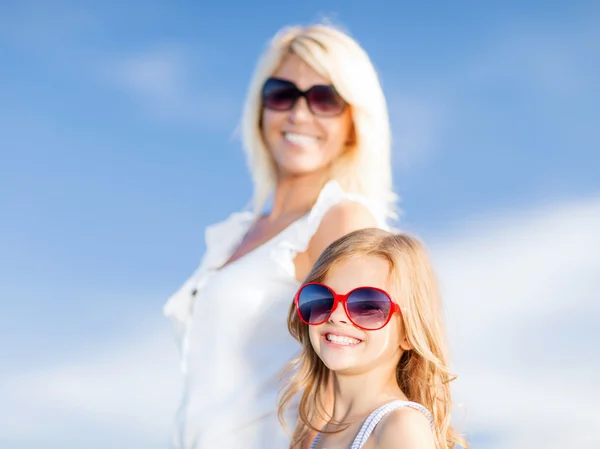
[{"x": 232, "y": 326}]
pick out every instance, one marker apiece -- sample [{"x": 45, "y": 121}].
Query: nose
[
  {"x": 339, "y": 315},
  {"x": 300, "y": 112}
]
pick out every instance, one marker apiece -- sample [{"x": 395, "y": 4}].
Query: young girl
[{"x": 369, "y": 320}]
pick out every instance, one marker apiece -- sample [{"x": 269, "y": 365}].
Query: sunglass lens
[
  {"x": 315, "y": 303},
  {"x": 369, "y": 308},
  {"x": 279, "y": 95},
  {"x": 324, "y": 100}
]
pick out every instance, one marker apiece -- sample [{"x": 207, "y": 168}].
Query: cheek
[
  {"x": 270, "y": 122},
  {"x": 386, "y": 340},
  {"x": 338, "y": 131},
  {"x": 396, "y": 329},
  {"x": 314, "y": 336}
]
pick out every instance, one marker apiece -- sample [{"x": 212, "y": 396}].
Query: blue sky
[{"x": 118, "y": 146}]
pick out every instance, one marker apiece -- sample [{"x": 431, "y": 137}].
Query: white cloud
[
  {"x": 522, "y": 310},
  {"x": 126, "y": 391},
  {"x": 165, "y": 83},
  {"x": 159, "y": 74},
  {"x": 521, "y": 294},
  {"x": 165, "y": 80}
]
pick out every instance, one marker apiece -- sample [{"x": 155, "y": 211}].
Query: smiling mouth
[
  {"x": 300, "y": 139},
  {"x": 342, "y": 340}
]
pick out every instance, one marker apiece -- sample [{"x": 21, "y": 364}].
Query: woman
[{"x": 316, "y": 132}]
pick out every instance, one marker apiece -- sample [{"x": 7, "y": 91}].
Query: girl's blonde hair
[
  {"x": 422, "y": 372},
  {"x": 366, "y": 167}
]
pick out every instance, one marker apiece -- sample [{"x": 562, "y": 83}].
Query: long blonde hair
[
  {"x": 366, "y": 167},
  {"x": 422, "y": 372}
]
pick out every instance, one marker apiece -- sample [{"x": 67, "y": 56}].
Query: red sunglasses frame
[{"x": 337, "y": 298}]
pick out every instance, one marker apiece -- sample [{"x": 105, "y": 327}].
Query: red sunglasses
[{"x": 368, "y": 308}]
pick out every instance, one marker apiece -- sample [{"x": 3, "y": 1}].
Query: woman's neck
[{"x": 296, "y": 195}]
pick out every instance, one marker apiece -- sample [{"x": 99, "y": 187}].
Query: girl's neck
[{"x": 353, "y": 402}]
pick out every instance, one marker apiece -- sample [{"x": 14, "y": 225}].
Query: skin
[
  {"x": 330, "y": 133},
  {"x": 371, "y": 362},
  {"x": 302, "y": 170}
]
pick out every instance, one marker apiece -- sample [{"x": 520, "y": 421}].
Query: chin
[
  {"x": 338, "y": 365},
  {"x": 299, "y": 170},
  {"x": 300, "y": 165}
]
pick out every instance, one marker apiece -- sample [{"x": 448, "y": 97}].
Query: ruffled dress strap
[
  {"x": 221, "y": 239},
  {"x": 298, "y": 237}
]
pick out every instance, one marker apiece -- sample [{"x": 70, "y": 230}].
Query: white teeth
[
  {"x": 342, "y": 340},
  {"x": 300, "y": 139}
]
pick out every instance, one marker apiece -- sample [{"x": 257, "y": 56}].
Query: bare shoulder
[
  {"x": 341, "y": 219},
  {"x": 407, "y": 428}
]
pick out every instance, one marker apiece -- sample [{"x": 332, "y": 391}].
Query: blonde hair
[
  {"x": 422, "y": 372},
  {"x": 366, "y": 168}
]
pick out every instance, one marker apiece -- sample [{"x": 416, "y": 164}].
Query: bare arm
[
  {"x": 406, "y": 428},
  {"x": 340, "y": 220}
]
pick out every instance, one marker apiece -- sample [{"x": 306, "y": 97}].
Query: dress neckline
[
  {"x": 228, "y": 262},
  {"x": 233, "y": 248}
]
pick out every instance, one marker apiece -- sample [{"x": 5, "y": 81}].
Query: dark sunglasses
[
  {"x": 368, "y": 308},
  {"x": 282, "y": 95}
]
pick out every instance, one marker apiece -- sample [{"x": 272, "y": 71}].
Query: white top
[
  {"x": 232, "y": 324},
  {"x": 374, "y": 418}
]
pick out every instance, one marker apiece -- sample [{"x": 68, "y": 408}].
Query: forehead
[
  {"x": 359, "y": 271},
  {"x": 294, "y": 68}
]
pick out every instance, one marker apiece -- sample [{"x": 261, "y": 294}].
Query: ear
[
  {"x": 405, "y": 344},
  {"x": 260, "y": 120},
  {"x": 351, "y": 140}
]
